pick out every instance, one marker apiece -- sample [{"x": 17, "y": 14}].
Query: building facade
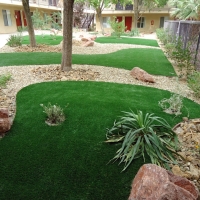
[
  {"x": 148, "y": 22},
  {"x": 12, "y": 15}
]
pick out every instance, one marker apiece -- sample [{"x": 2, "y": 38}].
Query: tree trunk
[
  {"x": 66, "y": 64},
  {"x": 136, "y": 12},
  {"x": 98, "y": 10},
  {"x": 31, "y": 32}
]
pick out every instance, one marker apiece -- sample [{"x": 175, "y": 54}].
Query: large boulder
[
  {"x": 85, "y": 39},
  {"x": 141, "y": 75},
  {"x": 89, "y": 43},
  {"x": 155, "y": 183},
  {"x": 5, "y": 123}
]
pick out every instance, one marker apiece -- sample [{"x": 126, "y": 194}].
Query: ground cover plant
[
  {"x": 151, "y": 60},
  {"x": 70, "y": 161},
  {"x": 126, "y": 40},
  {"x": 4, "y": 78},
  {"x": 44, "y": 39}
]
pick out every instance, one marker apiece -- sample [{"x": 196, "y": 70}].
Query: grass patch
[
  {"x": 69, "y": 161},
  {"x": 151, "y": 60},
  {"x": 125, "y": 40},
  {"x": 45, "y": 39}
]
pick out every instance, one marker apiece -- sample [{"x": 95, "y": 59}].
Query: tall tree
[
  {"x": 98, "y": 6},
  {"x": 66, "y": 64},
  {"x": 31, "y": 32},
  {"x": 185, "y": 9}
]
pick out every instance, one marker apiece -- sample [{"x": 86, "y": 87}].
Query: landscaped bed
[{"x": 70, "y": 161}]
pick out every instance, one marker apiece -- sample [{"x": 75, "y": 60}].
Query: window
[
  {"x": 141, "y": 22},
  {"x": 7, "y": 17},
  {"x": 106, "y": 22}
]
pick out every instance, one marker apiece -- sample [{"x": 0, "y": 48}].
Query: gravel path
[{"x": 23, "y": 76}]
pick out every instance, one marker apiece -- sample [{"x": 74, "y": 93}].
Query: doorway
[
  {"x": 18, "y": 18},
  {"x": 128, "y": 23},
  {"x": 24, "y": 18}
]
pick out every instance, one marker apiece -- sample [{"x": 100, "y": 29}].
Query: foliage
[
  {"x": 183, "y": 58},
  {"x": 175, "y": 49},
  {"x": 134, "y": 32},
  {"x": 143, "y": 134},
  {"x": 42, "y": 23},
  {"x": 194, "y": 83},
  {"x": 14, "y": 40},
  {"x": 56, "y": 20},
  {"x": 118, "y": 27},
  {"x": 4, "y": 78},
  {"x": 38, "y": 22},
  {"x": 164, "y": 36},
  {"x": 185, "y": 9},
  {"x": 55, "y": 114},
  {"x": 173, "y": 105}
]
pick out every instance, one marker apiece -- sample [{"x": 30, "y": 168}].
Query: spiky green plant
[{"x": 144, "y": 134}]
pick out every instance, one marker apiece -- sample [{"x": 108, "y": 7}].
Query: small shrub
[
  {"x": 118, "y": 27},
  {"x": 4, "y": 78},
  {"x": 14, "y": 40},
  {"x": 183, "y": 58},
  {"x": 143, "y": 134},
  {"x": 55, "y": 114},
  {"x": 194, "y": 83},
  {"x": 172, "y": 105},
  {"x": 134, "y": 32}
]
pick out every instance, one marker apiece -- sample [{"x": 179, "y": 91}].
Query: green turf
[
  {"x": 125, "y": 40},
  {"x": 68, "y": 162},
  {"x": 43, "y": 39},
  {"x": 151, "y": 60}
]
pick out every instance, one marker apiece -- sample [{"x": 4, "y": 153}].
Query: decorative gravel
[{"x": 23, "y": 76}]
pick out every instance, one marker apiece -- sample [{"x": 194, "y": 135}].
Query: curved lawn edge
[
  {"x": 69, "y": 161},
  {"x": 151, "y": 60},
  {"x": 127, "y": 40}
]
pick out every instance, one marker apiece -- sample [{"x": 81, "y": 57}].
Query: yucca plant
[{"x": 144, "y": 134}]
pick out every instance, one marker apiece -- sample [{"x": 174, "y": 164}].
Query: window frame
[
  {"x": 105, "y": 22},
  {"x": 7, "y": 17},
  {"x": 141, "y": 22}
]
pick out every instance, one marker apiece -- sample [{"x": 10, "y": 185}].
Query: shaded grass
[
  {"x": 69, "y": 161},
  {"x": 125, "y": 40},
  {"x": 45, "y": 39},
  {"x": 151, "y": 60}
]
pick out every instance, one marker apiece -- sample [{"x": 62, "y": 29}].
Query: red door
[
  {"x": 119, "y": 19},
  {"x": 18, "y": 18},
  {"x": 24, "y": 18},
  {"x": 128, "y": 23}
]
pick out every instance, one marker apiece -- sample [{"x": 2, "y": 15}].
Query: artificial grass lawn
[
  {"x": 125, "y": 40},
  {"x": 151, "y": 60},
  {"x": 45, "y": 39},
  {"x": 69, "y": 161}
]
